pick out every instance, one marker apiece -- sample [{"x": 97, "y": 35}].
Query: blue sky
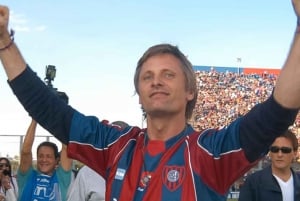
[{"x": 95, "y": 45}]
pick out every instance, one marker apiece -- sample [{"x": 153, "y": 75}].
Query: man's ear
[
  {"x": 296, "y": 155},
  {"x": 190, "y": 95}
]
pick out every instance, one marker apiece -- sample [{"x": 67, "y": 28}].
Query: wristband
[{"x": 11, "y": 36}]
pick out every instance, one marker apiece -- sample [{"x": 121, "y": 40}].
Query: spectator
[
  {"x": 168, "y": 160},
  {"x": 88, "y": 184},
  {"x": 8, "y": 183},
  {"x": 51, "y": 179},
  {"x": 277, "y": 182}
]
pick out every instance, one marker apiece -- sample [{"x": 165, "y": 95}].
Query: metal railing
[{"x": 10, "y": 145}]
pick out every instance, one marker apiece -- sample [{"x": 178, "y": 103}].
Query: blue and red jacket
[{"x": 190, "y": 166}]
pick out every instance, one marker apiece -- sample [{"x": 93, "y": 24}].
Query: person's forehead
[
  {"x": 161, "y": 61},
  {"x": 282, "y": 141},
  {"x": 44, "y": 149}
]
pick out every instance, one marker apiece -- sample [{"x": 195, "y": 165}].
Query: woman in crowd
[{"x": 8, "y": 184}]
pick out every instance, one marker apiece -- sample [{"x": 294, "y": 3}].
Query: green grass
[{"x": 231, "y": 199}]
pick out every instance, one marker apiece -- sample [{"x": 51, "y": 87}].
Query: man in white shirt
[
  {"x": 87, "y": 186},
  {"x": 278, "y": 181}
]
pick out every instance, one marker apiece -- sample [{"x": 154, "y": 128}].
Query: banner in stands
[{"x": 239, "y": 70}]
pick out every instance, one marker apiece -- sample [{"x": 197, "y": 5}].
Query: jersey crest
[{"x": 173, "y": 176}]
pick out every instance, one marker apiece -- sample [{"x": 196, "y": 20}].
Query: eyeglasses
[
  {"x": 285, "y": 150},
  {"x": 3, "y": 164}
]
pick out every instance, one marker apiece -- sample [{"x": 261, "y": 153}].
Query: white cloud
[
  {"x": 20, "y": 28},
  {"x": 17, "y": 18},
  {"x": 20, "y": 23}
]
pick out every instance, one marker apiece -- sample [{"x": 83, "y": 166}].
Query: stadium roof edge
[{"x": 234, "y": 69}]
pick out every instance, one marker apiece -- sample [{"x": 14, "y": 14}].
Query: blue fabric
[
  {"x": 206, "y": 165},
  {"x": 262, "y": 186},
  {"x": 40, "y": 187}
]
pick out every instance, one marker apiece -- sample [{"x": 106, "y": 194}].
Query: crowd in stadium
[{"x": 224, "y": 96}]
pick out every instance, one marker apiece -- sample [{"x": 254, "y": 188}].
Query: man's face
[
  {"x": 46, "y": 161},
  {"x": 162, "y": 88},
  {"x": 280, "y": 160}
]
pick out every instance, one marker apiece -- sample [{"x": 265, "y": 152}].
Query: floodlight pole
[{"x": 239, "y": 61}]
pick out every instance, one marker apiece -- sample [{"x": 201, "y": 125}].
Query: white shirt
[
  {"x": 87, "y": 186},
  {"x": 287, "y": 188},
  {"x": 11, "y": 194}
]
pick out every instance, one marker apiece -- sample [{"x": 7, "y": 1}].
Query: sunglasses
[
  {"x": 3, "y": 164},
  {"x": 285, "y": 150}
]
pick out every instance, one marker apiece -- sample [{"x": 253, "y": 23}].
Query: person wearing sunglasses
[
  {"x": 277, "y": 182},
  {"x": 168, "y": 160},
  {"x": 8, "y": 183}
]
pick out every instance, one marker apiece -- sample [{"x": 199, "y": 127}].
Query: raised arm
[
  {"x": 40, "y": 102},
  {"x": 26, "y": 152},
  {"x": 10, "y": 55},
  {"x": 287, "y": 89},
  {"x": 65, "y": 161}
]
